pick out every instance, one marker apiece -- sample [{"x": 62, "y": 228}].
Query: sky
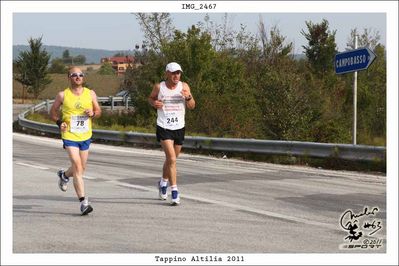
[{"x": 121, "y": 31}]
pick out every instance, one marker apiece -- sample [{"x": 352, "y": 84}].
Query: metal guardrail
[
  {"x": 270, "y": 147},
  {"x": 112, "y": 100}
]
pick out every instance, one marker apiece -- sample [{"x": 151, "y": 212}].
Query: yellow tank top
[{"x": 79, "y": 124}]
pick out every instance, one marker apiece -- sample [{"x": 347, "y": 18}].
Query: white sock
[
  {"x": 164, "y": 182},
  {"x": 174, "y": 187}
]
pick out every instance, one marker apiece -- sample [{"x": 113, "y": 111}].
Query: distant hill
[{"x": 92, "y": 55}]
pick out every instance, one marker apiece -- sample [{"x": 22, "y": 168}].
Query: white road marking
[
  {"x": 262, "y": 212},
  {"x": 89, "y": 177},
  {"x": 33, "y": 166},
  {"x": 130, "y": 185}
]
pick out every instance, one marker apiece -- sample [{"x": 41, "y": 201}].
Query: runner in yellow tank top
[
  {"x": 73, "y": 114},
  {"x": 79, "y": 107}
]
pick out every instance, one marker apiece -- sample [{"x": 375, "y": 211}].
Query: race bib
[
  {"x": 79, "y": 123},
  {"x": 171, "y": 119}
]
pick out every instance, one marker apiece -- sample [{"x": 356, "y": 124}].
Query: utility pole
[{"x": 355, "y": 101}]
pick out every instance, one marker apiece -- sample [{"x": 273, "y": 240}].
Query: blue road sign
[{"x": 354, "y": 60}]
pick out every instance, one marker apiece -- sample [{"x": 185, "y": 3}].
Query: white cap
[{"x": 172, "y": 67}]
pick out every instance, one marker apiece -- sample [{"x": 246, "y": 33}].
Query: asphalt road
[{"x": 228, "y": 206}]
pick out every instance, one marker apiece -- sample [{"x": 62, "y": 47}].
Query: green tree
[
  {"x": 321, "y": 48},
  {"x": 222, "y": 35},
  {"x": 328, "y": 97},
  {"x": 217, "y": 80},
  {"x": 328, "y": 92},
  {"x": 106, "y": 69},
  {"x": 371, "y": 90},
  {"x": 281, "y": 92},
  {"x": 67, "y": 58},
  {"x": 369, "y": 38},
  {"x": 65, "y": 54},
  {"x": 33, "y": 67},
  {"x": 157, "y": 27},
  {"x": 58, "y": 66},
  {"x": 284, "y": 98},
  {"x": 273, "y": 46},
  {"x": 224, "y": 38},
  {"x": 371, "y": 101},
  {"x": 79, "y": 59}
]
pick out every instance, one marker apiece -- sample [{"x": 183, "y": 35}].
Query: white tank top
[{"x": 171, "y": 115}]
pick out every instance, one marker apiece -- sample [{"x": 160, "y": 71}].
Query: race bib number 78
[{"x": 79, "y": 123}]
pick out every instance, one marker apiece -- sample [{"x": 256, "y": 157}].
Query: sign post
[
  {"x": 354, "y": 134},
  {"x": 353, "y": 61}
]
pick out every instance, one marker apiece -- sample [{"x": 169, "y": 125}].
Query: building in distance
[{"x": 119, "y": 63}]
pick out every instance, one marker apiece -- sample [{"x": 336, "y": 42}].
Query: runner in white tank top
[
  {"x": 170, "y": 98},
  {"x": 171, "y": 115}
]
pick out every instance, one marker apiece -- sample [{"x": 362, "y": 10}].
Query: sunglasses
[{"x": 76, "y": 74}]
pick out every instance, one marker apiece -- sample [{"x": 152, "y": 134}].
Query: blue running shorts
[{"x": 82, "y": 145}]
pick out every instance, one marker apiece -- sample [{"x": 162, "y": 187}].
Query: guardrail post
[
  {"x": 32, "y": 109},
  {"x": 111, "y": 99},
  {"x": 48, "y": 105},
  {"x": 126, "y": 102}
]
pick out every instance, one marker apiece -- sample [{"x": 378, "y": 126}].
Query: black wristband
[{"x": 59, "y": 122}]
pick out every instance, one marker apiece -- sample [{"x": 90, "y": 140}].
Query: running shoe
[
  {"x": 85, "y": 207},
  {"x": 175, "y": 198},
  {"x": 162, "y": 191},
  {"x": 62, "y": 180}
]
